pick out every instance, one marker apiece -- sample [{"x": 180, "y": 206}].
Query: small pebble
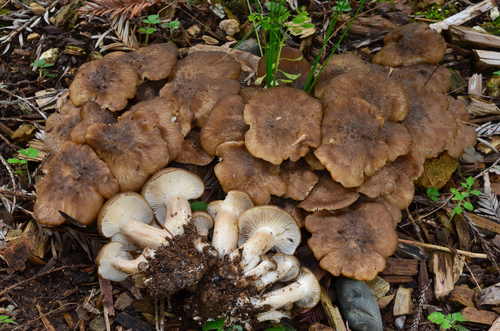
[
  {"x": 210, "y": 41},
  {"x": 400, "y": 322},
  {"x": 37, "y": 9},
  {"x": 33, "y": 36},
  {"x": 230, "y": 26}
]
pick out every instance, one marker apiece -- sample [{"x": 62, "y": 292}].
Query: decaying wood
[
  {"x": 479, "y": 316},
  {"x": 484, "y": 223},
  {"x": 470, "y": 38},
  {"x": 496, "y": 325},
  {"x": 446, "y": 270},
  {"x": 463, "y": 233},
  {"x": 462, "y": 295},
  {"x": 332, "y": 313},
  {"x": 403, "y": 303},
  {"x": 486, "y": 59},
  {"x": 475, "y": 85},
  {"x": 378, "y": 287},
  {"x": 478, "y": 107},
  {"x": 490, "y": 296},
  {"x": 464, "y": 15},
  {"x": 385, "y": 301},
  {"x": 401, "y": 267},
  {"x": 397, "y": 279}
]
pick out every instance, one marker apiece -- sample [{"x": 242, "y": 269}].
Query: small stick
[
  {"x": 299, "y": 140},
  {"x": 444, "y": 249}
]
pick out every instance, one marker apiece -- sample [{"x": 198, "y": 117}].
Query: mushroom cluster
[{"x": 342, "y": 162}]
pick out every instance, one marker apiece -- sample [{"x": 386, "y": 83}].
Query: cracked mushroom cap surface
[
  {"x": 351, "y": 145},
  {"x": 354, "y": 243},
  {"x": 133, "y": 148},
  {"x": 90, "y": 112},
  {"x": 411, "y": 44},
  {"x": 108, "y": 82},
  {"x": 58, "y": 129},
  {"x": 76, "y": 183},
  {"x": 393, "y": 104},
  {"x": 153, "y": 62},
  {"x": 284, "y": 124},
  {"x": 240, "y": 170},
  {"x": 198, "y": 81},
  {"x": 466, "y": 135}
]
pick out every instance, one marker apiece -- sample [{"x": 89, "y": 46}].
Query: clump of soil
[{"x": 179, "y": 265}]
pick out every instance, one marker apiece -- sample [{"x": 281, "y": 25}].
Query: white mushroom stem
[
  {"x": 274, "y": 316},
  {"x": 129, "y": 266},
  {"x": 273, "y": 276},
  {"x": 116, "y": 264},
  {"x": 143, "y": 235},
  {"x": 225, "y": 238},
  {"x": 259, "y": 244},
  {"x": 264, "y": 266},
  {"x": 178, "y": 212}
]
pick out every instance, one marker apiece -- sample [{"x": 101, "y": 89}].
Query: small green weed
[
  {"x": 6, "y": 319},
  {"x": 2, "y": 85},
  {"x": 172, "y": 25},
  {"x": 218, "y": 325},
  {"x": 460, "y": 197},
  {"x": 433, "y": 194},
  {"x": 449, "y": 321},
  {"x": 42, "y": 65},
  {"x": 342, "y": 5},
  {"x": 436, "y": 13},
  {"x": 198, "y": 205},
  {"x": 22, "y": 165},
  {"x": 152, "y": 19}
]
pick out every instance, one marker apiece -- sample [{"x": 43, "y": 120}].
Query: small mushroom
[
  {"x": 265, "y": 265},
  {"x": 116, "y": 264},
  {"x": 226, "y": 213},
  {"x": 203, "y": 221},
  {"x": 168, "y": 192},
  {"x": 90, "y": 112},
  {"x": 287, "y": 269},
  {"x": 264, "y": 228}
]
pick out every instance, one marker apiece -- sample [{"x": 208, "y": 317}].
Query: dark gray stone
[
  {"x": 358, "y": 305},
  {"x": 249, "y": 45}
]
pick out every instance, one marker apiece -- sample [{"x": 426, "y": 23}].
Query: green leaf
[
  {"x": 175, "y": 24},
  {"x": 23, "y": 152},
  {"x": 465, "y": 185},
  {"x": 460, "y": 328},
  {"x": 475, "y": 192},
  {"x": 38, "y": 63},
  {"x": 453, "y": 190},
  {"x": 433, "y": 193},
  {"x": 198, "y": 205},
  {"x": 143, "y": 30},
  {"x": 290, "y": 76},
  {"x": 445, "y": 324},
  {"x": 46, "y": 65},
  {"x": 458, "y": 317},
  {"x": 50, "y": 75},
  {"x": 308, "y": 26},
  {"x": 468, "y": 205},
  {"x": 214, "y": 325},
  {"x": 458, "y": 197},
  {"x": 470, "y": 181},
  {"x": 259, "y": 80},
  {"x": 13, "y": 161},
  {"x": 458, "y": 210},
  {"x": 436, "y": 317},
  {"x": 237, "y": 328}
]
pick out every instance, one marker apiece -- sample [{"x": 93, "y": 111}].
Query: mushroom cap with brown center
[
  {"x": 354, "y": 243},
  {"x": 299, "y": 179},
  {"x": 300, "y": 67},
  {"x": 411, "y": 44},
  {"x": 198, "y": 81},
  {"x": 133, "y": 148},
  {"x": 108, "y": 82},
  {"x": 58, "y": 129},
  {"x": 393, "y": 103},
  {"x": 351, "y": 144},
  {"x": 225, "y": 123},
  {"x": 76, "y": 183},
  {"x": 284, "y": 124},
  {"x": 239, "y": 170},
  {"x": 154, "y": 62},
  {"x": 466, "y": 135},
  {"x": 90, "y": 112}
]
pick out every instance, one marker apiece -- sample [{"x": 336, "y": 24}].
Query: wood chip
[
  {"x": 490, "y": 296},
  {"x": 479, "y": 316},
  {"x": 403, "y": 303},
  {"x": 462, "y": 295},
  {"x": 400, "y": 267},
  {"x": 464, "y": 15}
]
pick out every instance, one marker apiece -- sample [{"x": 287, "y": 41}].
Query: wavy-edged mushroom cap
[
  {"x": 284, "y": 124},
  {"x": 154, "y": 62},
  {"x": 226, "y": 213},
  {"x": 129, "y": 213},
  {"x": 305, "y": 291},
  {"x": 116, "y": 264},
  {"x": 337, "y": 65},
  {"x": 382, "y": 182},
  {"x": 351, "y": 145},
  {"x": 133, "y": 148},
  {"x": 397, "y": 138},
  {"x": 168, "y": 193},
  {"x": 466, "y": 135},
  {"x": 58, "y": 129},
  {"x": 411, "y": 44},
  {"x": 313, "y": 161},
  {"x": 198, "y": 81},
  {"x": 287, "y": 269},
  {"x": 295, "y": 67},
  {"x": 76, "y": 183},
  {"x": 203, "y": 221},
  {"x": 430, "y": 123},
  {"x": 329, "y": 195},
  {"x": 431, "y": 76},
  {"x": 90, "y": 113},
  {"x": 170, "y": 126},
  {"x": 64, "y": 105},
  {"x": 192, "y": 152},
  {"x": 299, "y": 179},
  {"x": 225, "y": 123},
  {"x": 239, "y": 170},
  {"x": 264, "y": 228},
  {"x": 108, "y": 82},
  {"x": 353, "y": 243},
  {"x": 393, "y": 104}
]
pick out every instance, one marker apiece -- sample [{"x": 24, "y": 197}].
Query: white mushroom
[
  {"x": 116, "y": 264},
  {"x": 226, "y": 213},
  {"x": 288, "y": 267},
  {"x": 274, "y": 316},
  {"x": 264, "y": 266},
  {"x": 203, "y": 222}
]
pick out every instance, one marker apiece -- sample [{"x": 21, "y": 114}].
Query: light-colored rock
[
  {"x": 230, "y": 26},
  {"x": 33, "y": 36},
  {"x": 37, "y": 9}
]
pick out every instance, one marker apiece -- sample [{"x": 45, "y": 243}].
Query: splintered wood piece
[
  {"x": 403, "y": 303},
  {"x": 397, "y": 279},
  {"x": 69, "y": 317},
  {"x": 378, "y": 287},
  {"x": 464, "y": 15},
  {"x": 446, "y": 270},
  {"x": 484, "y": 223},
  {"x": 462, "y": 295},
  {"x": 463, "y": 232},
  {"x": 470, "y": 38},
  {"x": 17, "y": 252},
  {"x": 496, "y": 325},
  {"x": 475, "y": 85},
  {"x": 479, "y": 316},
  {"x": 385, "y": 301},
  {"x": 44, "y": 319},
  {"x": 486, "y": 59},
  {"x": 490, "y": 296},
  {"x": 332, "y": 313},
  {"x": 400, "y": 267}
]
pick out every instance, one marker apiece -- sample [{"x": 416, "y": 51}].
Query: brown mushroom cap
[
  {"x": 239, "y": 170},
  {"x": 338, "y": 65},
  {"x": 153, "y": 62},
  {"x": 284, "y": 123},
  {"x": 353, "y": 243},
  {"x": 411, "y": 44},
  {"x": 382, "y": 182},
  {"x": 191, "y": 151},
  {"x": 431, "y": 76},
  {"x": 108, "y": 82},
  {"x": 64, "y": 105},
  {"x": 133, "y": 148},
  {"x": 466, "y": 135},
  {"x": 225, "y": 123},
  {"x": 397, "y": 138},
  {"x": 300, "y": 67},
  {"x": 58, "y": 129},
  {"x": 77, "y": 182},
  {"x": 329, "y": 195},
  {"x": 148, "y": 90},
  {"x": 198, "y": 81},
  {"x": 299, "y": 179},
  {"x": 393, "y": 104},
  {"x": 168, "y": 123},
  {"x": 90, "y": 112},
  {"x": 351, "y": 144}
]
